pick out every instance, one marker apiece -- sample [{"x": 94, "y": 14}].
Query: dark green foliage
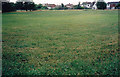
[
  {"x": 26, "y": 6},
  {"x": 39, "y": 6},
  {"x": 29, "y": 6},
  {"x": 8, "y": 7},
  {"x": 32, "y": 6},
  {"x": 78, "y": 6},
  {"x": 65, "y": 8},
  {"x": 101, "y": 5},
  {"x": 44, "y": 7},
  {"x": 75, "y": 7},
  {"x": 118, "y": 6},
  {"x": 19, "y": 5},
  {"x": 62, "y": 5}
]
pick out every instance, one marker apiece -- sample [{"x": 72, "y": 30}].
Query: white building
[
  {"x": 50, "y": 6},
  {"x": 86, "y": 4},
  {"x": 69, "y": 6},
  {"x": 95, "y": 4}
]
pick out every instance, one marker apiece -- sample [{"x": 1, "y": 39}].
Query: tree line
[
  {"x": 30, "y": 6},
  {"x": 9, "y": 6}
]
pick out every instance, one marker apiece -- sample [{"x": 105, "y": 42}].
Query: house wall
[
  {"x": 69, "y": 6},
  {"x": 88, "y": 5},
  {"x": 108, "y": 6},
  {"x": 112, "y": 5},
  {"x": 50, "y": 6},
  {"x": 94, "y": 6}
]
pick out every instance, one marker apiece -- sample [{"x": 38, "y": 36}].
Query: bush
[
  {"x": 78, "y": 6},
  {"x": 39, "y": 6},
  {"x": 118, "y": 6},
  {"x": 44, "y": 7},
  {"x": 101, "y": 5}
]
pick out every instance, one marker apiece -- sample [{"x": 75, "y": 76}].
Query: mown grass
[{"x": 60, "y": 43}]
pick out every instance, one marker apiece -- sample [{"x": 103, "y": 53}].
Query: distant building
[
  {"x": 50, "y": 6},
  {"x": 69, "y": 6},
  {"x": 94, "y": 4},
  {"x": 112, "y": 5},
  {"x": 87, "y": 4}
]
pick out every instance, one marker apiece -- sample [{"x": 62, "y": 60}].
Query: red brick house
[
  {"x": 50, "y": 6},
  {"x": 69, "y": 6},
  {"x": 112, "y": 5}
]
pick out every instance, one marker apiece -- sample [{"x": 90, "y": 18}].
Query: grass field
[{"x": 60, "y": 43}]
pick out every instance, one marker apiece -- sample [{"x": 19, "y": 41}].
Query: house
[
  {"x": 94, "y": 4},
  {"x": 50, "y": 6},
  {"x": 112, "y": 5},
  {"x": 87, "y": 4},
  {"x": 69, "y": 6}
]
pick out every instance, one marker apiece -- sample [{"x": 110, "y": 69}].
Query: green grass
[{"x": 60, "y": 43}]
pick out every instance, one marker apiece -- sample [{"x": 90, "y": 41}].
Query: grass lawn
[{"x": 60, "y": 43}]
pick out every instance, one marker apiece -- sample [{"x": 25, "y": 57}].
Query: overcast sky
[{"x": 63, "y": 1}]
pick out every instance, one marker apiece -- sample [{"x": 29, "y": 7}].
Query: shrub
[{"x": 101, "y": 5}]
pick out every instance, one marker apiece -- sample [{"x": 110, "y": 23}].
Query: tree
[
  {"x": 65, "y": 8},
  {"x": 77, "y": 6},
  {"x": 29, "y": 6},
  {"x": 62, "y": 6},
  {"x": 118, "y": 6},
  {"x": 101, "y": 5},
  {"x": 32, "y": 6},
  {"x": 8, "y": 7},
  {"x": 19, "y": 5},
  {"x": 39, "y": 6},
  {"x": 44, "y": 7},
  {"x": 25, "y": 5}
]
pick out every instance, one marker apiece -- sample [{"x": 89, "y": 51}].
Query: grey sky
[{"x": 63, "y": 1}]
